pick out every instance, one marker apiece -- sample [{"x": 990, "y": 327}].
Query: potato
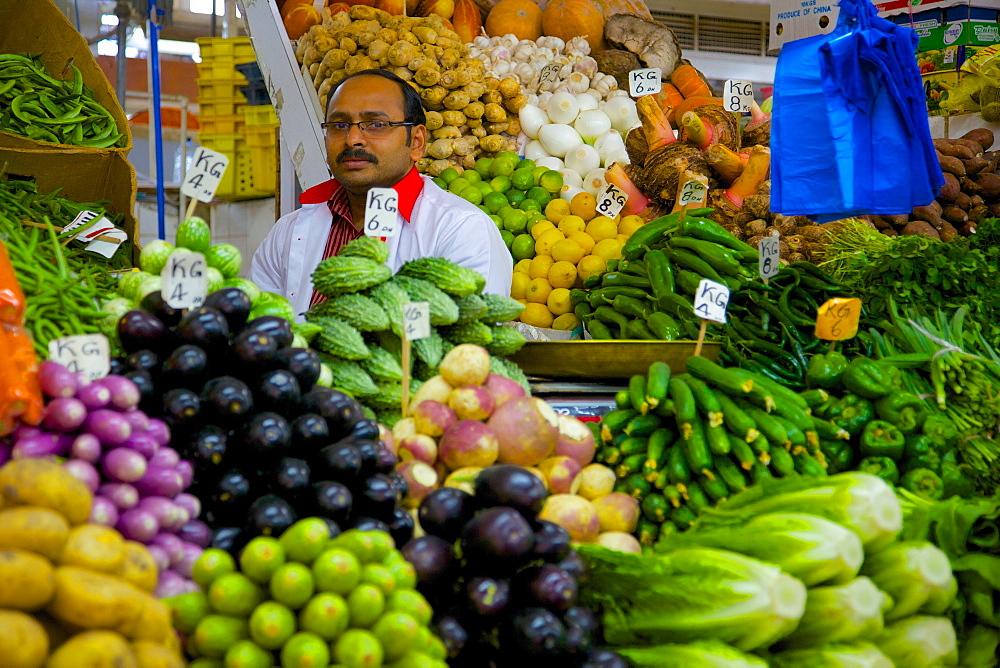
[
  {"x": 23, "y": 642},
  {"x": 94, "y": 649},
  {"x": 39, "y": 482},
  {"x": 151, "y": 655},
  {"x": 94, "y": 600},
  {"x": 96, "y": 547},
  {"x": 138, "y": 567},
  {"x": 35, "y": 529},
  {"x": 26, "y": 580}
]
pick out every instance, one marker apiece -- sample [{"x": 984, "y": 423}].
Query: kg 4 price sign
[
  {"x": 382, "y": 213},
  {"x": 184, "y": 283},
  {"x": 711, "y": 301},
  {"x": 89, "y": 354},
  {"x": 205, "y": 174},
  {"x": 738, "y": 96}
]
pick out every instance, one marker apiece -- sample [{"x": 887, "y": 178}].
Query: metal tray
[{"x": 606, "y": 359}]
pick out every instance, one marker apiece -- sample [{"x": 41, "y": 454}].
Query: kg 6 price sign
[
  {"x": 837, "y": 319},
  {"x": 382, "y": 213},
  {"x": 647, "y": 81}
]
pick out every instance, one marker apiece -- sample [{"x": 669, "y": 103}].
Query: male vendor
[{"x": 375, "y": 133}]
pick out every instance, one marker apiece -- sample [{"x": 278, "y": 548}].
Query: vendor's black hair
[{"x": 413, "y": 109}]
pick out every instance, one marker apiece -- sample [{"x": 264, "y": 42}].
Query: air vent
[
  {"x": 685, "y": 27},
  {"x": 717, "y": 34}
]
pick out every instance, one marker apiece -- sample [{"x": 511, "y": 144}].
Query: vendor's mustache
[{"x": 355, "y": 153}]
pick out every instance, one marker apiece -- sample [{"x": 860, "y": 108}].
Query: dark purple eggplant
[
  {"x": 376, "y": 497},
  {"x": 252, "y": 353},
  {"x": 370, "y": 524},
  {"x": 548, "y": 586},
  {"x": 141, "y": 330},
  {"x": 434, "y": 561},
  {"x": 291, "y": 478},
  {"x": 401, "y": 527},
  {"x": 340, "y": 462},
  {"x": 309, "y": 434},
  {"x": 149, "y": 397},
  {"x": 157, "y": 305},
  {"x": 574, "y": 565},
  {"x": 604, "y": 658},
  {"x": 487, "y": 596},
  {"x": 181, "y": 409},
  {"x": 187, "y": 366},
  {"x": 445, "y": 512},
  {"x": 497, "y": 540},
  {"x": 332, "y": 500},
  {"x": 278, "y": 391},
  {"x": 552, "y": 542},
  {"x": 302, "y": 362},
  {"x": 512, "y": 486},
  {"x": 453, "y": 634},
  {"x": 368, "y": 450},
  {"x": 386, "y": 461},
  {"x": 267, "y": 435},
  {"x": 229, "y": 539},
  {"x": 233, "y": 304},
  {"x": 365, "y": 428},
  {"x": 276, "y": 326},
  {"x": 145, "y": 360},
  {"x": 226, "y": 400},
  {"x": 340, "y": 410},
  {"x": 534, "y": 633},
  {"x": 206, "y": 448},
  {"x": 270, "y": 515},
  {"x": 206, "y": 328}
]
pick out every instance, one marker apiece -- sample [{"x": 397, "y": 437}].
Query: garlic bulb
[{"x": 578, "y": 82}]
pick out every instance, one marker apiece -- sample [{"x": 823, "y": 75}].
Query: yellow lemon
[
  {"x": 537, "y": 315},
  {"x": 630, "y": 224},
  {"x": 561, "y": 275},
  {"x": 609, "y": 249},
  {"x": 621, "y": 238},
  {"x": 539, "y": 267},
  {"x": 519, "y": 285},
  {"x": 584, "y": 240},
  {"x": 567, "y": 249},
  {"x": 541, "y": 227},
  {"x": 556, "y": 209},
  {"x": 522, "y": 266},
  {"x": 572, "y": 224},
  {"x": 567, "y": 322},
  {"x": 591, "y": 265},
  {"x": 545, "y": 242},
  {"x": 559, "y": 301},
  {"x": 601, "y": 228},
  {"x": 584, "y": 205},
  {"x": 522, "y": 301},
  {"x": 538, "y": 290}
]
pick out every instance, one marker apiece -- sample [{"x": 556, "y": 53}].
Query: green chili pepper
[
  {"x": 683, "y": 258},
  {"x": 618, "y": 278},
  {"x": 592, "y": 281},
  {"x": 904, "y": 409},
  {"x": 921, "y": 452},
  {"x": 661, "y": 275},
  {"x": 636, "y": 329},
  {"x": 606, "y": 295},
  {"x": 609, "y": 316},
  {"x": 676, "y": 305},
  {"x": 851, "y": 413},
  {"x": 826, "y": 370},
  {"x": 663, "y": 326},
  {"x": 709, "y": 230},
  {"x": 867, "y": 378},
  {"x": 881, "y": 438},
  {"x": 634, "y": 267},
  {"x": 719, "y": 257},
  {"x": 598, "y": 330},
  {"x": 923, "y": 482},
  {"x": 632, "y": 307},
  {"x": 883, "y": 467},
  {"x": 644, "y": 237}
]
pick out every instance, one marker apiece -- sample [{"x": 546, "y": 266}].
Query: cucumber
[
  {"x": 815, "y": 398},
  {"x": 828, "y": 431},
  {"x": 736, "y": 419},
  {"x": 716, "y": 376},
  {"x": 806, "y": 464},
  {"x": 682, "y": 517},
  {"x": 781, "y": 462},
  {"x": 610, "y": 456},
  {"x": 697, "y": 500},
  {"x": 684, "y": 405},
  {"x": 658, "y": 442},
  {"x": 706, "y": 401},
  {"x": 760, "y": 472},
  {"x": 672, "y": 495},
  {"x": 718, "y": 440},
  {"x": 630, "y": 465},
  {"x": 666, "y": 407},
  {"x": 696, "y": 448},
  {"x": 657, "y": 383},
  {"x": 782, "y": 394},
  {"x": 741, "y": 452},
  {"x": 636, "y": 486},
  {"x": 768, "y": 426},
  {"x": 614, "y": 422},
  {"x": 730, "y": 474},
  {"x": 637, "y": 393},
  {"x": 650, "y": 471},
  {"x": 655, "y": 508},
  {"x": 647, "y": 532},
  {"x": 623, "y": 399},
  {"x": 662, "y": 480},
  {"x": 678, "y": 470},
  {"x": 643, "y": 425},
  {"x": 795, "y": 435},
  {"x": 633, "y": 445},
  {"x": 762, "y": 447},
  {"x": 714, "y": 488}
]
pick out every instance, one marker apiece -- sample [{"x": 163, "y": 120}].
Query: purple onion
[
  {"x": 168, "y": 514},
  {"x": 196, "y": 532},
  {"x": 109, "y": 426},
  {"x": 86, "y": 447},
  {"x": 166, "y": 457},
  {"x": 94, "y": 396},
  {"x": 124, "y": 393},
  {"x": 190, "y": 503},
  {"x": 172, "y": 545},
  {"x": 159, "y": 430},
  {"x": 42, "y": 445},
  {"x": 84, "y": 472},
  {"x": 142, "y": 443},
  {"x": 138, "y": 525},
  {"x": 191, "y": 554},
  {"x": 124, "y": 496},
  {"x": 186, "y": 471},
  {"x": 171, "y": 584},
  {"x": 56, "y": 380},
  {"x": 138, "y": 420},
  {"x": 159, "y": 556},
  {"x": 160, "y": 481},
  {"x": 5, "y": 449},
  {"x": 124, "y": 465},
  {"x": 103, "y": 511}
]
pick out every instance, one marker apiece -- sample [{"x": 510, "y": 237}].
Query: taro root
[
  {"x": 758, "y": 130},
  {"x": 879, "y": 222},
  {"x": 813, "y": 232},
  {"x": 755, "y": 227},
  {"x": 920, "y": 227},
  {"x": 711, "y": 124},
  {"x": 785, "y": 224},
  {"x": 618, "y": 63},
  {"x": 890, "y": 233},
  {"x": 729, "y": 202},
  {"x": 982, "y": 136},
  {"x": 728, "y": 164},
  {"x": 797, "y": 257},
  {"x": 636, "y": 146},
  {"x": 758, "y": 205}
]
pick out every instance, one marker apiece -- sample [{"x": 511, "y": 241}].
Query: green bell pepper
[
  {"x": 839, "y": 455},
  {"x": 921, "y": 451},
  {"x": 851, "y": 413},
  {"x": 956, "y": 483},
  {"x": 867, "y": 378},
  {"x": 940, "y": 429},
  {"x": 904, "y": 409},
  {"x": 826, "y": 370},
  {"x": 883, "y": 467},
  {"x": 882, "y": 439},
  {"x": 923, "y": 482}
]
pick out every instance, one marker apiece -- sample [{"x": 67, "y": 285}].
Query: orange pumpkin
[
  {"x": 443, "y": 8},
  {"x": 337, "y": 7},
  {"x": 522, "y": 18},
  {"x": 298, "y": 17},
  {"x": 467, "y": 20},
  {"x": 394, "y": 7},
  {"x": 567, "y": 19}
]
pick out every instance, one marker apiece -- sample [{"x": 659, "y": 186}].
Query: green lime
[
  {"x": 483, "y": 209},
  {"x": 510, "y": 156},
  {"x": 537, "y": 173},
  {"x": 500, "y": 183},
  {"x": 515, "y": 197},
  {"x": 205, "y": 663},
  {"x": 498, "y": 220},
  {"x": 271, "y": 624},
  {"x": 472, "y": 194},
  {"x": 397, "y": 631},
  {"x": 501, "y": 167},
  {"x": 472, "y": 176},
  {"x": 212, "y": 563},
  {"x": 305, "y": 650},
  {"x": 429, "y": 644},
  {"x": 187, "y": 610},
  {"x": 305, "y": 539},
  {"x": 484, "y": 187},
  {"x": 292, "y": 584},
  {"x": 415, "y": 659},
  {"x": 440, "y": 183},
  {"x": 358, "y": 649},
  {"x": 522, "y": 179},
  {"x": 495, "y": 201},
  {"x": 217, "y": 633},
  {"x": 515, "y": 221},
  {"x": 366, "y": 603},
  {"x": 404, "y": 574},
  {"x": 366, "y": 545},
  {"x": 261, "y": 557},
  {"x": 540, "y": 195},
  {"x": 246, "y": 654},
  {"x": 326, "y": 614},
  {"x": 191, "y": 649},
  {"x": 411, "y": 602},
  {"x": 234, "y": 594},
  {"x": 337, "y": 570},
  {"x": 529, "y": 205},
  {"x": 458, "y": 185},
  {"x": 508, "y": 238},
  {"x": 526, "y": 164},
  {"x": 448, "y": 175},
  {"x": 523, "y": 247},
  {"x": 504, "y": 210},
  {"x": 551, "y": 181},
  {"x": 483, "y": 166}
]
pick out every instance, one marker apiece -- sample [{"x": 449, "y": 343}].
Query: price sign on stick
[
  {"x": 710, "y": 303},
  {"x": 203, "y": 177},
  {"x": 647, "y": 81},
  {"x": 416, "y": 325},
  {"x": 184, "y": 282},
  {"x": 767, "y": 262},
  {"x": 549, "y": 73},
  {"x": 738, "y": 95},
  {"x": 88, "y": 354},
  {"x": 611, "y": 201},
  {"x": 381, "y": 213},
  {"x": 837, "y": 319}
]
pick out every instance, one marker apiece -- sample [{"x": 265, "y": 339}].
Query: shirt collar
[{"x": 408, "y": 189}]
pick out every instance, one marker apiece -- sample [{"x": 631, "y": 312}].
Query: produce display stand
[{"x": 604, "y": 359}]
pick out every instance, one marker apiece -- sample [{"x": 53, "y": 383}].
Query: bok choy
[
  {"x": 701, "y": 654},
  {"x": 916, "y": 575},
  {"x": 841, "y": 614},
  {"x": 920, "y": 642},
  {"x": 850, "y": 655}
]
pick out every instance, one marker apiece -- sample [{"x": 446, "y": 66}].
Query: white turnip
[
  {"x": 421, "y": 479},
  {"x": 560, "y": 472},
  {"x": 619, "y": 542},
  {"x": 465, "y": 364},
  {"x": 526, "y": 429},
  {"x": 594, "y": 481},
  {"x": 471, "y": 402},
  {"x": 436, "y": 388},
  {"x": 468, "y": 443},
  {"x": 617, "y": 511},
  {"x": 403, "y": 428},
  {"x": 573, "y": 513},
  {"x": 433, "y": 417},
  {"x": 421, "y": 447},
  {"x": 575, "y": 440},
  {"x": 502, "y": 389}
]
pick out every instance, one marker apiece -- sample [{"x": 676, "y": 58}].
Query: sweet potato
[
  {"x": 969, "y": 186},
  {"x": 975, "y": 165},
  {"x": 930, "y": 213},
  {"x": 922, "y": 228},
  {"x": 35, "y": 529},
  {"x": 950, "y": 148},
  {"x": 963, "y": 201},
  {"x": 954, "y": 215},
  {"x": 951, "y": 188},
  {"x": 23, "y": 643},
  {"x": 975, "y": 200},
  {"x": 890, "y": 233},
  {"x": 974, "y": 147},
  {"x": 881, "y": 223},
  {"x": 93, "y": 648},
  {"x": 39, "y": 482},
  {"x": 979, "y": 214},
  {"x": 948, "y": 232},
  {"x": 952, "y": 165},
  {"x": 896, "y": 219},
  {"x": 989, "y": 185},
  {"x": 26, "y": 580},
  {"x": 995, "y": 210},
  {"x": 982, "y": 136},
  {"x": 968, "y": 229}
]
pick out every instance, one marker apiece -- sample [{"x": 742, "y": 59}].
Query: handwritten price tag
[
  {"x": 837, "y": 319},
  {"x": 184, "y": 282},
  {"x": 88, "y": 354},
  {"x": 549, "y": 73},
  {"x": 203, "y": 177},
  {"x": 416, "y": 320},
  {"x": 693, "y": 192},
  {"x": 646, "y": 81},
  {"x": 612, "y": 201},
  {"x": 711, "y": 301},
  {"x": 381, "y": 214},
  {"x": 770, "y": 252},
  {"x": 95, "y": 227},
  {"x": 738, "y": 95}
]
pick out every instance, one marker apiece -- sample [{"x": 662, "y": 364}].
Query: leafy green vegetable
[
  {"x": 702, "y": 654},
  {"x": 916, "y": 575},
  {"x": 920, "y": 642},
  {"x": 848, "y": 655},
  {"x": 842, "y": 613}
]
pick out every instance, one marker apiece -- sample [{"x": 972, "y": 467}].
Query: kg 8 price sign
[
  {"x": 693, "y": 193},
  {"x": 769, "y": 250},
  {"x": 184, "y": 284},
  {"x": 837, "y": 319},
  {"x": 738, "y": 96},
  {"x": 647, "y": 81},
  {"x": 381, "y": 213},
  {"x": 711, "y": 301},
  {"x": 88, "y": 354},
  {"x": 203, "y": 177},
  {"x": 611, "y": 202}
]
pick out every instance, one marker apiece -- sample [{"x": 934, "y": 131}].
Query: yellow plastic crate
[
  {"x": 221, "y": 124},
  {"x": 215, "y": 89},
  {"x": 217, "y": 68},
  {"x": 259, "y": 136},
  {"x": 222, "y": 106},
  {"x": 237, "y": 182},
  {"x": 237, "y": 48},
  {"x": 263, "y": 161},
  {"x": 260, "y": 114}
]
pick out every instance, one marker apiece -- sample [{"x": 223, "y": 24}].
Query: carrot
[
  {"x": 21, "y": 395},
  {"x": 11, "y": 297},
  {"x": 668, "y": 98},
  {"x": 689, "y": 82}
]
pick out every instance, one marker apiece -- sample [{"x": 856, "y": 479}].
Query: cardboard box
[
  {"x": 37, "y": 26},
  {"x": 798, "y": 19}
]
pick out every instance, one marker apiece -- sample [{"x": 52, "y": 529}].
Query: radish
[
  {"x": 465, "y": 364},
  {"x": 575, "y": 440},
  {"x": 421, "y": 447},
  {"x": 526, "y": 429},
  {"x": 468, "y": 443},
  {"x": 421, "y": 479},
  {"x": 432, "y": 417},
  {"x": 573, "y": 513},
  {"x": 560, "y": 472},
  {"x": 471, "y": 402},
  {"x": 503, "y": 389}
]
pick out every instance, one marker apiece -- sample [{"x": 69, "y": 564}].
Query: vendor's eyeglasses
[{"x": 367, "y": 128}]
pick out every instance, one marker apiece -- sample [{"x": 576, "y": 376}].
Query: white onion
[
  {"x": 532, "y": 119},
  {"x": 551, "y": 162},
  {"x": 586, "y": 102},
  {"x": 557, "y": 138},
  {"x": 621, "y": 110},
  {"x": 568, "y": 193},
  {"x": 534, "y": 150},
  {"x": 609, "y": 142},
  {"x": 618, "y": 155},
  {"x": 571, "y": 178},
  {"x": 582, "y": 159},
  {"x": 562, "y": 108},
  {"x": 591, "y": 124},
  {"x": 594, "y": 181}
]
